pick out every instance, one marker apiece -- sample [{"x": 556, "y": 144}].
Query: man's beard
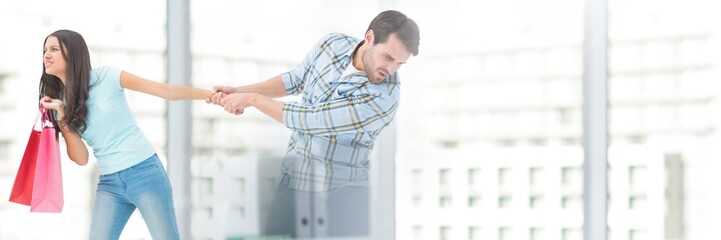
[{"x": 369, "y": 69}]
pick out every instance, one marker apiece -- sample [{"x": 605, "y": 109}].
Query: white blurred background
[{"x": 488, "y": 136}]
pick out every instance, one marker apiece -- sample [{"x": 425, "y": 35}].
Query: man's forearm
[
  {"x": 268, "y": 106},
  {"x": 273, "y": 88}
]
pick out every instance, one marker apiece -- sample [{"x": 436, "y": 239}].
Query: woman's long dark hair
[{"x": 77, "y": 79}]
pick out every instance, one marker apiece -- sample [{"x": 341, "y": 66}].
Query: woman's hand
[
  {"x": 75, "y": 147},
  {"x": 53, "y": 104}
]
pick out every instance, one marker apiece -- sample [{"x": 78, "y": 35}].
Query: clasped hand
[{"x": 232, "y": 101}]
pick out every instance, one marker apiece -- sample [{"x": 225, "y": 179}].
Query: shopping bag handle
[
  {"x": 45, "y": 118},
  {"x": 37, "y": 116}
]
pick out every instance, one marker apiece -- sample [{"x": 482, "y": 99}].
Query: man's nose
[{"x": 392, "y": 68}]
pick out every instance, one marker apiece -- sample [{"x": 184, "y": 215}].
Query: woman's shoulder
[
  {"x": 99, "y": 74},
  {"x": 104, "y": 70}
]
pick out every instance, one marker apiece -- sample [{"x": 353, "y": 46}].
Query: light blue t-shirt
[{"x": 112, "y": 133}]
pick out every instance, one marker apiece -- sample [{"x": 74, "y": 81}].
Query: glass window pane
[
  {"x": 498, "y": 118},
  {"x": 662, "y": 118}
]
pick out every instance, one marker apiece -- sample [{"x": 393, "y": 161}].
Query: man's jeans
[
  {"x": 144, "y": 186},
  {"x": 340, "y": 212}
]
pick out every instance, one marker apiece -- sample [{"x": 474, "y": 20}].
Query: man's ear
[{"x": 369, "y": 36}]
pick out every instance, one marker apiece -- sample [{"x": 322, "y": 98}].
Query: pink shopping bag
[{"x": 48, "y": 181}]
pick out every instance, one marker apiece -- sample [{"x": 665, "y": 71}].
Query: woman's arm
[
  {"x": 77, "y": 151},
  {"x": 163, "y": 90}
]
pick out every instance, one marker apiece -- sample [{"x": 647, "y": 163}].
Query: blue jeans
[{"x": 144, "y": 186}]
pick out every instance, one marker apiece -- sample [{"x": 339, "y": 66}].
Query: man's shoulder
[
  {"x": 339, "y": 40},
  {"x": 335, "y": 36}
]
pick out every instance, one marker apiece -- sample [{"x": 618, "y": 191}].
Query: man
[{"x": 350, "y": 92}]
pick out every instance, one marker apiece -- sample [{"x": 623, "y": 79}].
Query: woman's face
[{"x": 53, "y": 59}]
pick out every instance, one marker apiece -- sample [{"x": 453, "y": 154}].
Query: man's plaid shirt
[{"x": 336, "y": 122}]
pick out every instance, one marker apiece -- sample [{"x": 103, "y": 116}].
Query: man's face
[{"x": 384, "y": 59}]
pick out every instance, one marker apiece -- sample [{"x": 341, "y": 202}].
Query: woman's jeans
[{"x": 144, "y": 186}]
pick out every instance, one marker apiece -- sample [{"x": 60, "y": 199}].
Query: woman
[{"x": 90, "y": 104}]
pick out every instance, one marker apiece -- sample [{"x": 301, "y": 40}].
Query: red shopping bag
[
  {"x": 22, "y": 191},
  {"x": 39, "y": 180},
  {"x": 48, "y": 179}
]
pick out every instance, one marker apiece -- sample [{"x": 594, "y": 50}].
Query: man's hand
[
  {"x": 235, "y": 103},
  {"x": 218, "y": 93}
]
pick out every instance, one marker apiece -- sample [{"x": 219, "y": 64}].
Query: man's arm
[
  {"x": 273, "y": 88},
  {"x": 363, "y": 113},
  {"x": 359, "y": 113},
  {"x": 236, "y": 102}
]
